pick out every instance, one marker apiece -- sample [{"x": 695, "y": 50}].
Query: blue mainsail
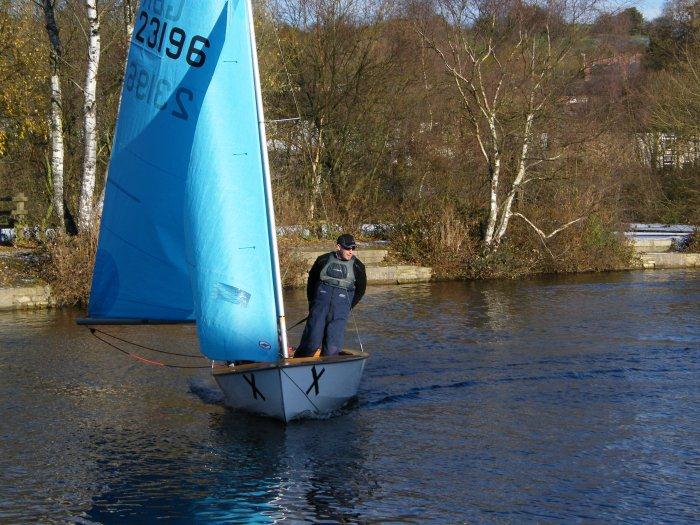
[{"x": 186, "y": 228}]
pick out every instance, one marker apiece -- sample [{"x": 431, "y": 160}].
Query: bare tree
[
  {"x": 332, "y": 58},
  {"x": 511, "y": 65},
  {"x": 675, "y": 97},
  {"x": 86, "y": 203},
  {"x": 57, "y": 147}
]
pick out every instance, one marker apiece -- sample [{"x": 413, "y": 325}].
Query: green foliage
[
  {"x": 668, "y": 196},
  {"x": 511, "y": 261},
  {"x": 635, "y": 20},
  {"x": 596, "y": 235},
  {"x": 23, "y": 86},
  {"x": 627, "y": 22},
  {"x": 596, "y": 246},
  {"x": 672, "y": 33}
]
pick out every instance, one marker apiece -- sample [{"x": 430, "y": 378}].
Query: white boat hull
[{"x": 293, "y": 388}]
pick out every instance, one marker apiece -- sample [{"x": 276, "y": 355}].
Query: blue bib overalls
[{"x": 326, "y": 325}]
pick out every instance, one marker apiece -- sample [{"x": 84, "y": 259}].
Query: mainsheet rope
[{"x": 95, "y": 332}]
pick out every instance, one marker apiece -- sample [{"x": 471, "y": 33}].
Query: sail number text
[
  {"x": 156, "y": 91},
  {"x": 155, "y": 33},
  {"x": 170, "y": 9}
]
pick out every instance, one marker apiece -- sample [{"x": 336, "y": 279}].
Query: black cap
[{"x": 346, "y": 241}]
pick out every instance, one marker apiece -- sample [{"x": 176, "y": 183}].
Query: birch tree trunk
[
  {"x": 316, "y": 171},
  {"x": 507, "y": 211},
  {"x": 129, "y": 17},
  {"x": 56, "y": 136},
  {"x": 85, "y": 206},
  {"x": 493, "y": 158}
]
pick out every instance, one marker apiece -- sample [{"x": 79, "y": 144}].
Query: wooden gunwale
[{"x": 345, "y": 356}]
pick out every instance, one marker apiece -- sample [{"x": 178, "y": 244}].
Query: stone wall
[
  {"x": 25, "y": 297},
  {"x": 670, "y": 260}
]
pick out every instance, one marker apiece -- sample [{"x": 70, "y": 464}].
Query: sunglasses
[{"x": 348, "y": 247}]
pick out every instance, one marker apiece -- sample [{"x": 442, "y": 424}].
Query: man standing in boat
[{"x": 337, "y": 282}]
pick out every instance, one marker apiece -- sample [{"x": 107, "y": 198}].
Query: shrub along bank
[{"x": 448, "y": 243}]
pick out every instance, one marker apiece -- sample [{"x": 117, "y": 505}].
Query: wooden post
[{"x": 20, "y": 212}]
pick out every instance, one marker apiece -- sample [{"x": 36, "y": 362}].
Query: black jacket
[{"x": 315, "y": 277}]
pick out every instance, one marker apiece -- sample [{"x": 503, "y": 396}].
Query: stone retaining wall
[
  {"x": 26, "y": 297},
  {"x": 651, "y": 245},
  {"x": 377, "y": 271},
  {"x": 652, "y": 261},
  {"x": 372, "y": 256},
  {"x": 398, "y": 274}
]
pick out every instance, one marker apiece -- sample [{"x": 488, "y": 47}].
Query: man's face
[{"x": 345, "y": 253}]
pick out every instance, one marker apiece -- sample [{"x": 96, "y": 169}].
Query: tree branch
[{"x": 543, "y": 235}]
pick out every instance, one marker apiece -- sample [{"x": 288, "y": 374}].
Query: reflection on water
[{"x": 556, "y": 399}]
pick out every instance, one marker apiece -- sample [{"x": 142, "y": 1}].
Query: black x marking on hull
[
  {"x": 251, "y": 381},
  {"x": 316, "y": 376}
]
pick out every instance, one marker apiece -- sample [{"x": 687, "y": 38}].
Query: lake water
[{"x": 565, "y": 399}]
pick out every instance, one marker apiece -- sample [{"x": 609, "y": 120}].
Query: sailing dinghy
[{"x": 188, "y": 228}]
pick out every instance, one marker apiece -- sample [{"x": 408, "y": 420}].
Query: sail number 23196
[
  {"x": 156, "y": 34},
  {"x": 151, "y": 31}
]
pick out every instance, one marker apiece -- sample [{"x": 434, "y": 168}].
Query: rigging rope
[
  {"x": 296, "y": 119},
  {"x": 94, "y": 332},
  {"x": 357, "y": 331},
  {"x": 144, "y": 347},
  {"x": 300, "y": 389}
]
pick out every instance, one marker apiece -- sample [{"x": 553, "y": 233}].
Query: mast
[{"x": 276, "y": 275}]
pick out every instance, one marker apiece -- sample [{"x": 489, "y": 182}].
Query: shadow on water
[
  {"x": 302, "y": 473},
  {"x": 247, "y": 470}
]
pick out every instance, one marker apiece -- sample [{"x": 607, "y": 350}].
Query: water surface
[{"x": 569, "y": 399}]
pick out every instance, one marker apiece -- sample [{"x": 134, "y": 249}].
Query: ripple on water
[{"x": 566, "y": 399}]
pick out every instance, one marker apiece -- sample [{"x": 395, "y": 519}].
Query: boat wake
[
  {"x": 206, "y": 391},
  {"x": 415, "y": 393}
]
